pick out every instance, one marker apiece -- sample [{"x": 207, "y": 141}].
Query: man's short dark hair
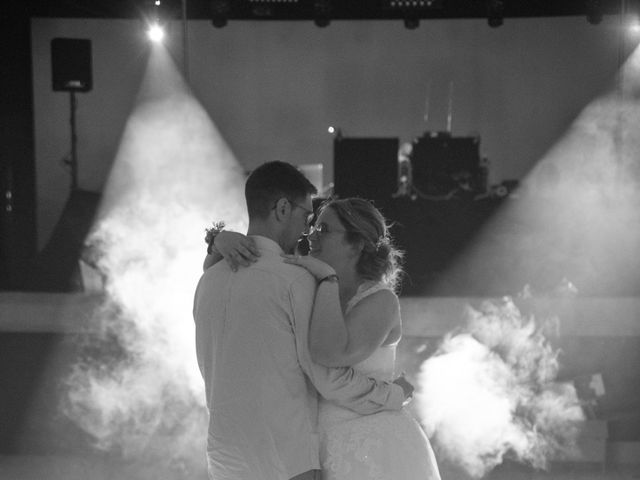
[{"x": 272, "y": 181}]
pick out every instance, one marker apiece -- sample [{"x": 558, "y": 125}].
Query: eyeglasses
[
  {"x": 309, "y": 213},
  {"x": 309, "y": 218},
  {"x": 322, "y": 229}
]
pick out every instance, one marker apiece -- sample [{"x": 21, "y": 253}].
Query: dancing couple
[{"x": 298, "y": 352}]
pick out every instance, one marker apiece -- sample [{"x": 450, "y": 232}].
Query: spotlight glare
[
  {"x": 331, "y": 130},
  {"x": 634, "y": 27},
  {"x": 155, "y": 33}
]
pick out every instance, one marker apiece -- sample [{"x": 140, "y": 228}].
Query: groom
[{"x": 251, "y": 341}]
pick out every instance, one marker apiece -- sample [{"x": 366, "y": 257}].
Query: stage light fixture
[
  {"x": 413, "y": 4},
  {"x": 273, "y": 8},
  {"x": 220, "y": 10},
  {"x": 411, "y": 11},
  {"x": 154, "y": 11},
  {"x": 157, "y": 15},
  {"x": 495, "y": 13},
  {"x": 411, "y": 23},
  {"x": 594, "y": 12},
  {"x": 155, "y": 33},
  {"x": 322, "y": 13}
]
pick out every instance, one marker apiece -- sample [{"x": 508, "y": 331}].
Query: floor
[
  {"x": 68, "y": 467},
  {"x": 51, "y": 447},
  {"x": 58, "y": 467}
]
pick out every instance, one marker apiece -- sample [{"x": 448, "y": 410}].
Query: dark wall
[{"x": 17, "y": 170}]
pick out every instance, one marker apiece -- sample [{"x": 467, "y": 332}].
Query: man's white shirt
[{"x": 261, "y": 385}]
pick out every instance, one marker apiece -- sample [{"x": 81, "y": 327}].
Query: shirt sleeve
[{"x": 344, "y": 385}]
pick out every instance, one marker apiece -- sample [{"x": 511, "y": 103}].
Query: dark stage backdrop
[{"x": 273, "y": 88}]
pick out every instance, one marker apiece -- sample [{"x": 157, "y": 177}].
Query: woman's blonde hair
[{"x": 379, "y": 260}]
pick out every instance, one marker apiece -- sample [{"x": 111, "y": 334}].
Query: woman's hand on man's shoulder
[{"x": 316, "y": 267}]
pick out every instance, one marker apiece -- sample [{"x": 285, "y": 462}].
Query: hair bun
[{"x": 383, "y": 241}]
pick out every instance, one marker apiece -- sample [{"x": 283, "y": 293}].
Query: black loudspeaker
[
  {"x": 71, "y": 65},
  {"x": 365, "y": 167},
  {"x": 442, "y": 163}
]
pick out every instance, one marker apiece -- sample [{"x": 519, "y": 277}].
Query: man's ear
[{"x": 282, "y": 209}]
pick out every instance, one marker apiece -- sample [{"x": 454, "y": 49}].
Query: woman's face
[{"x": 328, "y": 240}]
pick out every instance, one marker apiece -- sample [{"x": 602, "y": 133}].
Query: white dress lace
[{"x": 384, "y": 446}]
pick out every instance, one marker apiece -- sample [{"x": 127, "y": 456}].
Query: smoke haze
[
  {"x": 489, "y": 393},
  {"x": 138, "y": 390}
]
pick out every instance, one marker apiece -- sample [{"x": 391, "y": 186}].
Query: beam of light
[
  {"x": 155, "y": 33},
  {"x": 490, "y": 392},
  {"x": 574, "y": 228},
  {"x": 173, "y": 175},
  {"x": 579, "y": 202},
  {"x": 575, "y": 216}
]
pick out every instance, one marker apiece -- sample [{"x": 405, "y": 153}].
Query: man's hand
[{"x": 407, "y": 388}]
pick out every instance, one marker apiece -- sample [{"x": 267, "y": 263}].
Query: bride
[{"x": 355, "y": 322}]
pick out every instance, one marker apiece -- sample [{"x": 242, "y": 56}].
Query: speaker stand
[{"x": 73, "y": 160}]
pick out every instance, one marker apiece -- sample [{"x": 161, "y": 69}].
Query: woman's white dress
[{"x": 388, "y": 445}]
